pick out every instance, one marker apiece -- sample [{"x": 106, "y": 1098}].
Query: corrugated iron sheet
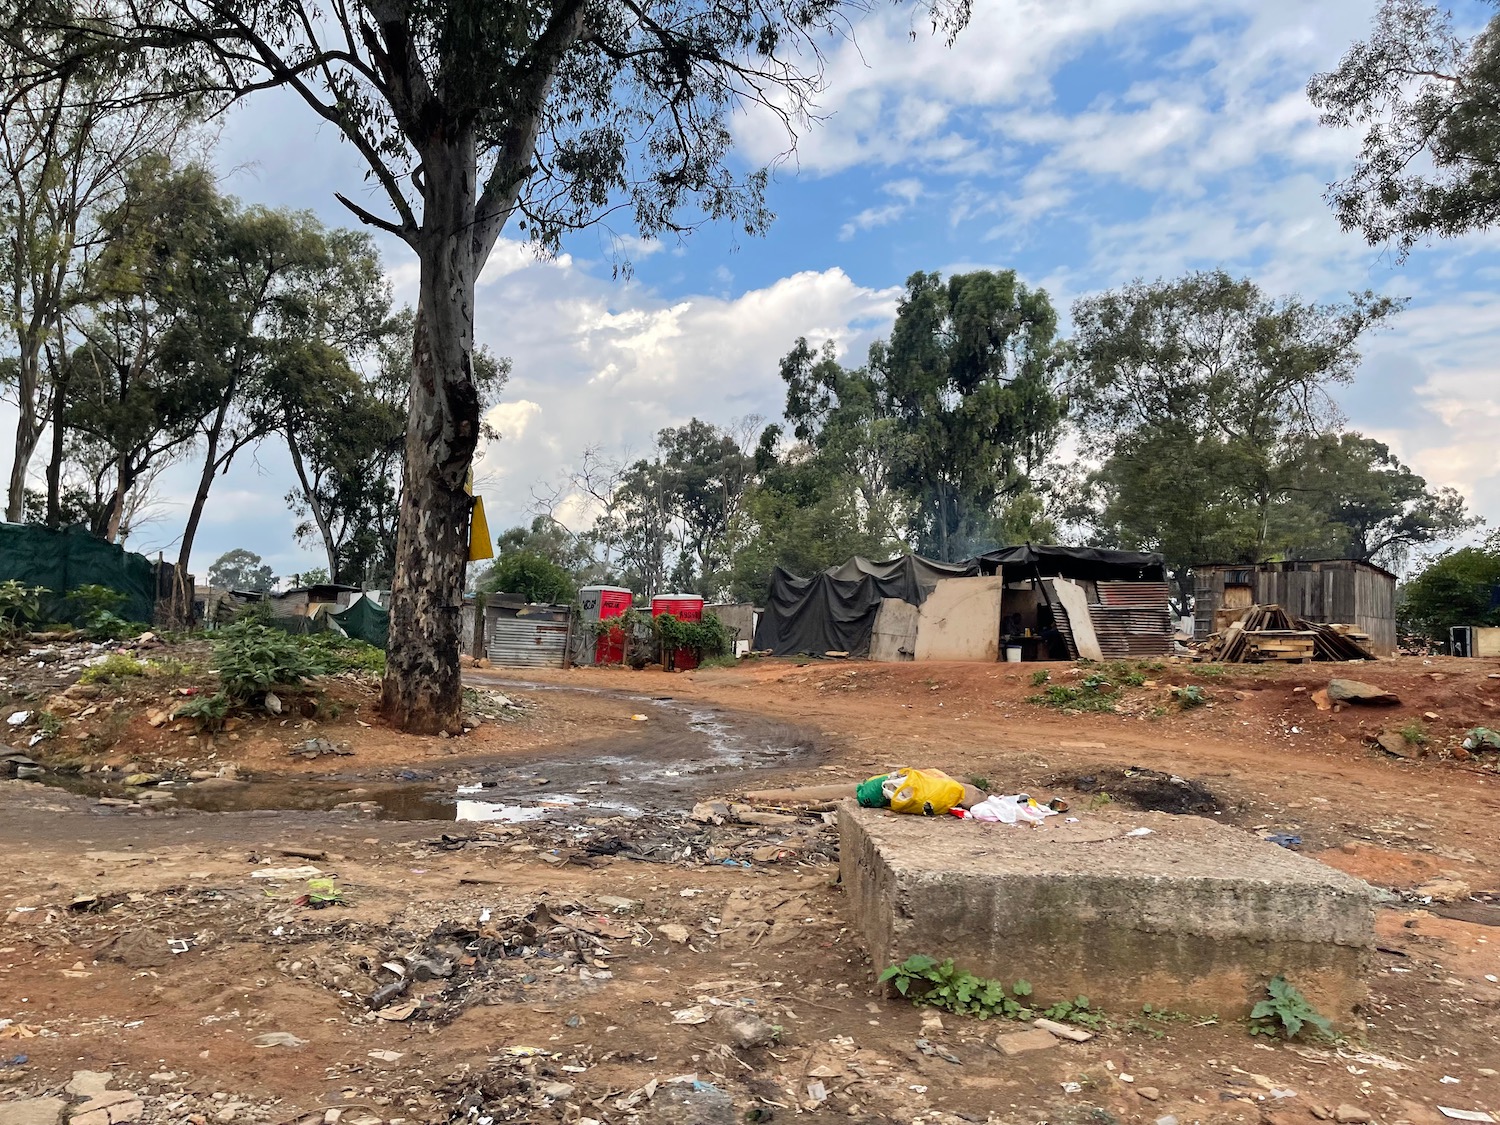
[
  {"x": 1133, "y": 619},
  {"x": 520, "y": 642}
]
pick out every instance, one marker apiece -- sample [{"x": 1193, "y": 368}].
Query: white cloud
[{"x": 906, "y": 193}]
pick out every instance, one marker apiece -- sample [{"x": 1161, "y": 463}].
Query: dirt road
[{"x": 610, "y": 943}]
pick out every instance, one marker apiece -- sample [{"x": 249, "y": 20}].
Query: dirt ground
[{"x": 601, "y": 953}]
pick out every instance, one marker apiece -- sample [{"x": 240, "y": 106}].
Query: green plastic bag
[{"x": 870, "y": 795}]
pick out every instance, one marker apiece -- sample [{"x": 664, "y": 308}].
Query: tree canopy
[
  {"x": 240, "y": 569},
  {"x": 1425, "y": 98}
]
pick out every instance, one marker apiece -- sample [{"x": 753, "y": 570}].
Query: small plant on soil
[
  {"x": 252, "y": 659},
  {"x": 49, "y": 724},
  {"x": 980, "y": 782},
  {"x": 1086, "y": 697},
  {"x": 1040, "y": 678},
  {"x": 113, "y": 669},
  {"x": 1415, "y": 734},
  {"x": 1076, "y": 1010},
  {"x": 321, "y": 893},
  {"x": 928, "y": 982},
  {"x": 1190, "y": 696},
  {"x": 209, "y": 711},
  {"x": 1286, "y": 1013}
]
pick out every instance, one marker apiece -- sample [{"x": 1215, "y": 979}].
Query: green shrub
[
  {"x": 925, "y": 981},
  {"x": 1092, "y": 695},
  {"x": 112, "y": 669},
  {"x": 1190, "y": 696},
  {"x": 20, "y": 606},
  {"x": 252, "y": 658},
  {"x": 706, "y": 638},
  {"x": 1040, "y": 678}
]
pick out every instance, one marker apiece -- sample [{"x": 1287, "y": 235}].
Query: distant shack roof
[
  {"x": 1298, "y": 564},
  {"x": 1051, "y": 561}
]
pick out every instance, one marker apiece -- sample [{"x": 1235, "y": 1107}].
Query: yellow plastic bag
[{"x": 925, "y": 792}]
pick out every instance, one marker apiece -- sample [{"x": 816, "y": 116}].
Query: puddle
[{"x": 663, "y": 765}]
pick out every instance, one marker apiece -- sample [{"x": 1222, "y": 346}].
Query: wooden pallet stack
[{"x": 1268, "y": 634}]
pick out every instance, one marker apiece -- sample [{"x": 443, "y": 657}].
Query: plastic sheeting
[
  {"x": 365, "y": 621},
  {"x": 1090, "y": 563},
  {"x": 65, "y": 560},
  {"x": 835, "y": 611}
]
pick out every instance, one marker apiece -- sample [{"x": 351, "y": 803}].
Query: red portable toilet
[
  {"x": 684, "y": 607},
  {"x": 599, "y": 604}
]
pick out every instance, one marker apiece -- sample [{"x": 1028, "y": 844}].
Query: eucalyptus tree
[{"x": 471, "y": 116}]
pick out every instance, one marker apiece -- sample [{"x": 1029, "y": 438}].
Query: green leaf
[
  {"x": 918, "y": 963},
  {"x": 903, "y": 984},
  {"x": 889, "y": 972},
  {"x": 1022, "y": 988}
]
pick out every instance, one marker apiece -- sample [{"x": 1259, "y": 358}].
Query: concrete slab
[{"x": 1195, "y": 916}]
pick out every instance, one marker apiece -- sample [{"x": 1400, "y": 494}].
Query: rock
[
  {"x": 674, "y": 932},
  {"x": 1357, "y": 691},
  {"x": 33, "y": 1111},
  {"x": 273, "y": 703},
  {"x": 1445, "y": 890},
  {"x": 557, "y": 1091},
  {"x": 695, "y": 1103},
  {"x": 1347, "y": 1114},
  {"x": 1393, "y": 742},
  {"x": 1150, "y": 1093},
  {"x": 1020, "y": 1042},
  {"x": 113, "y": 1107},
  {"x": 747, "y": 1031},
  {"x": 1167, "y": 1120},
  {"x": 137, "y": 780},
  {"x": 88, "y": 1083},
  {"x": 431, "y": 968},
  {"x": 1064, "y": 1031},
  {"x": 1321, "y": 700},
  {"x": 1322, "y": 1113},
  {"x": 1431, "y": 716},
  {"x": 210, "y": 783},
  {"x": 709, "y": 812},
  {"x": 94, "y": 1117}
]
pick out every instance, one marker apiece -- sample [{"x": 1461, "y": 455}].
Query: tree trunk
[
  {"x": 55, "y": 461},
  {"x": 27, "y": 433},
  {"x": 124, "y": 481},
  {"x": 205, "y": 482},
  {"x": 319, "y": 516},
  {"x": 422, "y": 692}
]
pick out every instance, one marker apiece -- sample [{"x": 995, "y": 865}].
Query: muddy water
[{"x": 678, "y": 755}]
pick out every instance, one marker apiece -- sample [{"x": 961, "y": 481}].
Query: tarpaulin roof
[
  {"x": 1075, "y": 562},
  {"x": 364, "y": 620},
  {"x": 834, "y": 611}
]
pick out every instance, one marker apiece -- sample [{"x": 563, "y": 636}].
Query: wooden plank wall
[{"x": 1334, "y": 592}]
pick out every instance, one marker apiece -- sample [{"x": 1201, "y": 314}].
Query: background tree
[
  {"x": 490, "y": 111},
  {"x": 240, "y": 569},
  {"x": 953, "y": 415},
  {"x": 1358, "y": 501},
  {"x": 66, "y": 147},
  {"x": 1425, "y": 98},
  {"x": 1194, "y": 399},
  {"x": 524, "y": 572},
  {"x": 1459, "y": 587}
]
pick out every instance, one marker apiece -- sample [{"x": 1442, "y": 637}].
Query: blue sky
[{"x": 1083, "y": 143}]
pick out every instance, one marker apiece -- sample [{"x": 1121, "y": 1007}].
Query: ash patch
[{"x": 1149, "y": 790}]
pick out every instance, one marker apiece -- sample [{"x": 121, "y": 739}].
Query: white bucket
[{"x": 1013, "y": 654}]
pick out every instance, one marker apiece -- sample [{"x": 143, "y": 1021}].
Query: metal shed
[{"x": 1329, "y": 591}]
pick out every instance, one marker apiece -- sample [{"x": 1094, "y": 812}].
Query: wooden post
[
  {"x": 480, "y": 601},
  {"x": 568, "y": 641}
]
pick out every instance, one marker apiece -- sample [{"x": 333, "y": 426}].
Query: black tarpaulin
[
  {"x": 1092, "y": 563},
  {"x": 910, "y": 577},
  {"x": 835, "y": 611}
]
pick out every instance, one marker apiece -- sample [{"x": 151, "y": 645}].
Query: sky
[{"x": 1082, "y": 143}]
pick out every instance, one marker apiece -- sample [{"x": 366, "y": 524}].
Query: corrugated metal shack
[
  {"x": 518, "y": 634},
  {"x": 1328, "y": 591},
  {"x": 1082, "y": 601}
]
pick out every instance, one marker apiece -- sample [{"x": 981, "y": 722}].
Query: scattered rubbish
[
  {"x": 674, "y": 932},
  {"x": 748, "y": 1031},
  {"x": 287, "y": 873},
  {"x": 278, "y": 1039},
  {"x": 16, "y": 1060},
  {"x": 1017, "y": 808},
  {"x": 871, "y": 793},
  {"x": 1284, "y": 840},
  {"x": 1268, "y": 633},
  {"x": 922, "y": 792},
  {"x": 927, "y": 1047},
  {"x": 692, "y": 1015},
  {"x": 1448, "y": 1080},
  {"x": 387, "y": 1056},
  {"x": 1466, "y": 1114},
  {"x": 317, "y": 748},
  {"x": 321, "y": 893},
  {"x": 817, "y": 1093},
  {"x": 396, "y": 1013},
  {"x": 19, "y": 718},
  {"x": 1482, "y": 738},
  {"x": 1139, "y": 832},
  {"x": 1072, "y": 1087},
  {"x": 638, "y": 718}
]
